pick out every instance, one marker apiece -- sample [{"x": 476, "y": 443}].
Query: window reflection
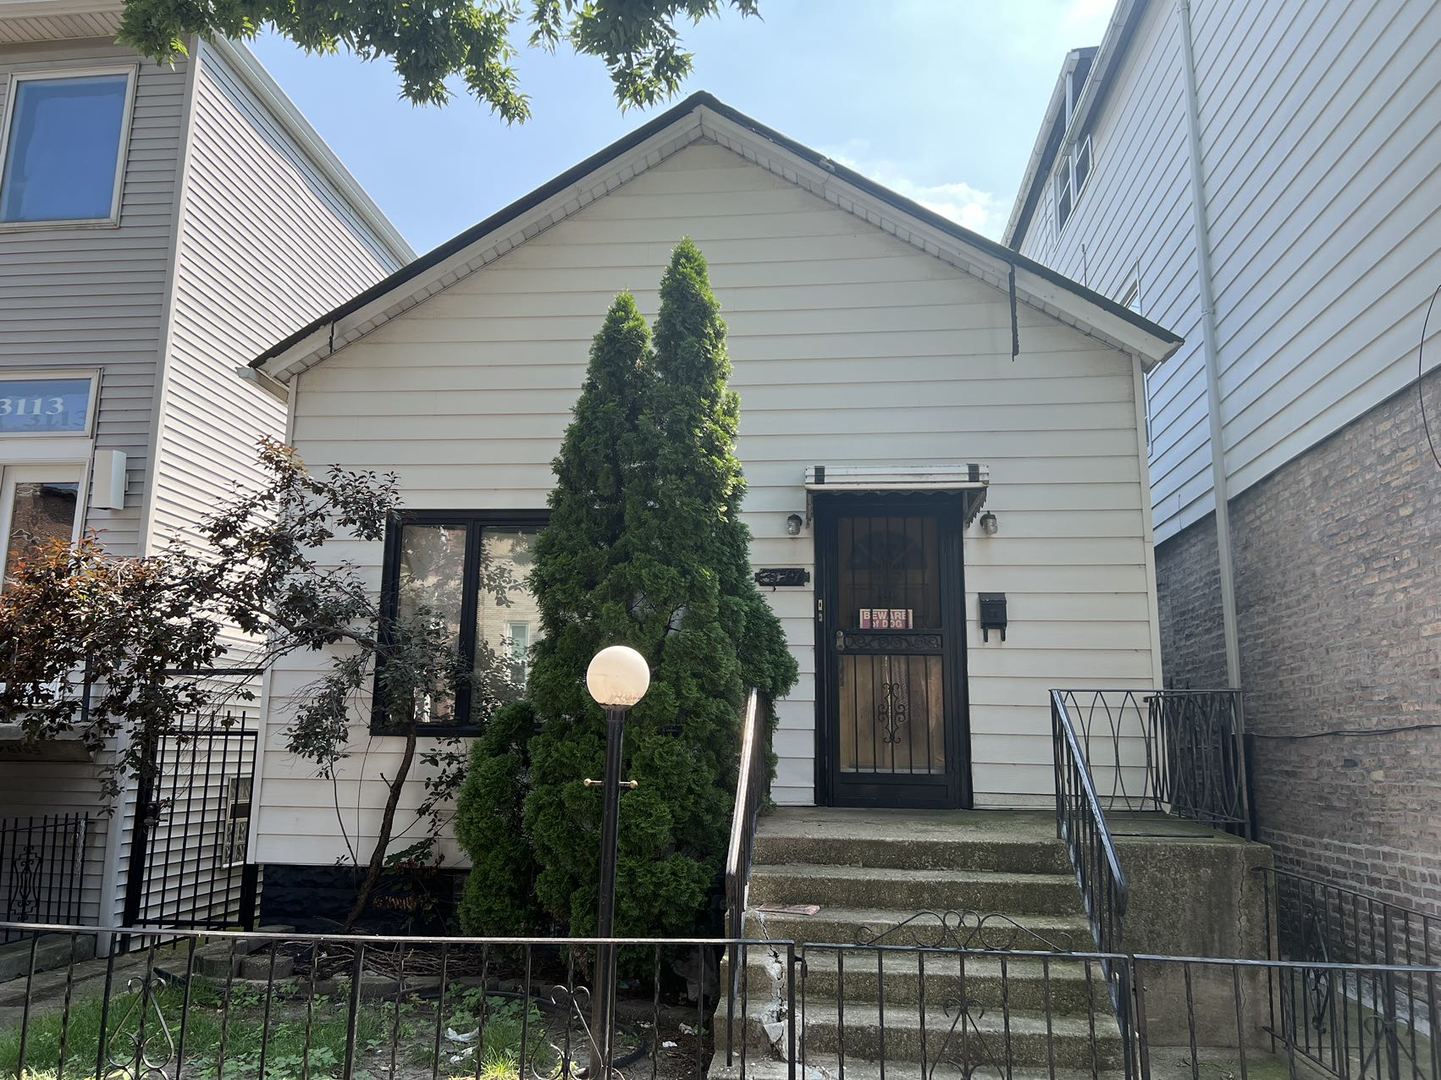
[{"x": 39, "y": 513}]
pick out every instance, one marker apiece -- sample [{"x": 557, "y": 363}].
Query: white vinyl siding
[
  {"x": 850, "y": 347},
  {"x": 1321, "y": 149},
  {"x": 1324, "y": 194},
  {"x": 266, "y": 244},
  {"x": 91, "y": 297}
]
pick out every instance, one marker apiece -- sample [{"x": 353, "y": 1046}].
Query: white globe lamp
[{"x": 618, "y": 677}]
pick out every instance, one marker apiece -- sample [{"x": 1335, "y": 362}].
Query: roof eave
[
  {"x": 703, "y": 114},
  {"x": 1114, "y": 43},
  {"x": 289, "y": 116},
  {"x": 1038, "y": 151}
]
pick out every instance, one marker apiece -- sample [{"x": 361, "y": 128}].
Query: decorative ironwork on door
[{"x": 888, "y": 671}]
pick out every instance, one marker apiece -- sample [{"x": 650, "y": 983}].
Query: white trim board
[{"x": 696, "y": 121}]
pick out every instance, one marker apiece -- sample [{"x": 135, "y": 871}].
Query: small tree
[
  {"x": 583, "y": 595},
  {"x": 129, "y": 625},
  {"x": 646, "y": 548}
]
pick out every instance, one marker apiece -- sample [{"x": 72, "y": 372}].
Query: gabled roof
[
  {"x": 702, "y": 116},
  {"x": 1097, "y": 66}
]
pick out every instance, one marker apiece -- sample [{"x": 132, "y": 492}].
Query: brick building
[{"x": 1266, "y": 181}]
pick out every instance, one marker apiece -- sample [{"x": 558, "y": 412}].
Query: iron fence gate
[
  {"x": 42, "y": 861},
  {"x": 189, "y": 864}
]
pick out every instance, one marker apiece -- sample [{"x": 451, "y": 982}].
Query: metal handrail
[
  {"x": 1193, "y": 742},
  {"x": 750, "y": 792},
  {"x": 1081, "y": 824}
]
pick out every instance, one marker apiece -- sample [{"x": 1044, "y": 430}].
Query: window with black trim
[{"x": 468, "y": 572}]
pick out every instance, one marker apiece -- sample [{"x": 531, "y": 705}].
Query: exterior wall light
[
  {"x": 617, "y": 678},
  {"x": 989, "y": 525},
  {"x": 794, "y": 524}
]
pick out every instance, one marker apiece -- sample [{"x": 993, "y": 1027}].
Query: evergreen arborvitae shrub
[
  {"x": 499, "y": 894},
  {"x": 645, "y": 547},
  {"x": 570, "y": 577}
]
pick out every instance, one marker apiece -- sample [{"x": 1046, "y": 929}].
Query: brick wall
[
  {"x": 1188, "y": 590},
  {"x": 1338, "y": 580}
]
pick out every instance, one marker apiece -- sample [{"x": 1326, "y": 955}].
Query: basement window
[{"x": 465, "y": 575}]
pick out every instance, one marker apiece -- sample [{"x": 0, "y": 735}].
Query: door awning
[{"x": 972, "y": 479}]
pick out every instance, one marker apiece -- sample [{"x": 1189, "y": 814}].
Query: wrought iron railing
[
  {"x": 189, "y": 864},
  {"x": 1180, "y": 752},
  {"x": 751, "y": 791},
  {"x": 1354, "y": 1024},
  {"x": 42, "y": 869},
  {"x": 1081, "y": 824},
  {"x": 205, "y": 1003}
]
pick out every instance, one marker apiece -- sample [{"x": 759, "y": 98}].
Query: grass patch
[{"x": 298, "y": 1041}]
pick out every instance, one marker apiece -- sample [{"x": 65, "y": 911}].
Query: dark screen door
[{"x": 891, "y": 647}]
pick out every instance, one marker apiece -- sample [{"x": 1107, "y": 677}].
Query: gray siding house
[
  {"x": 159, "y": 226},
  {"x": 1265, "y": 179}
]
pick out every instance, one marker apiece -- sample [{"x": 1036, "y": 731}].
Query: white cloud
[{"x": 981, "y": 211}]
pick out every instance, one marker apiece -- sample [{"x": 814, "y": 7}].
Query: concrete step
[
  {"x": 51, "y": 952},
  {"x": 1063, "y": 987},
  {"x": 828, "y": 1067},
  {"x": 946, "y": 1034},
  {"x": 852, "y": 926},
  {"x": 874, "y": 887},
  {"x": 1013, "y": 841},
  {"x": 918, "y": 853}
]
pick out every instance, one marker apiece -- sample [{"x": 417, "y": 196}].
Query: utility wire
[
  {"x": 1420, "y": 371},
  {"x": 1350, "y": 731}
]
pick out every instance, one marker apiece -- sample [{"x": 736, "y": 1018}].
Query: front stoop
[{"x": 870, "y": 871}]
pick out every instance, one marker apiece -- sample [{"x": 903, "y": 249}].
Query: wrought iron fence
[
  {"x": 1345, "y": 1019},
  {"x": 1180, "y": 752},
  {"x": 42, "y": 868},
  {"x": 189, "y": 862},
  {"x": 1081, "y": 824},
  {"x": 212, "y": 1005}
]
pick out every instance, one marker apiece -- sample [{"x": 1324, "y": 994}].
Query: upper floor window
[
  {"x": 468, "y": 572},
  {"x": 1071, "y": 177},
  {"x": 64, "y": 139}
]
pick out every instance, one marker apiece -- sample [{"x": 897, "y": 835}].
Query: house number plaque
[
  {"x": 44, "y": 406},
  {"x": 783, "y": 576}
]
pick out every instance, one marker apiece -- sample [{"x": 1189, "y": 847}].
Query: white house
[
  {"x": 141, "y": 267},
  {"x": 895, "y": 371},
  {"x": 1266, "y": 178}
]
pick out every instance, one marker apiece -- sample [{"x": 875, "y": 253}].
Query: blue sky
[{"x": 940, "y": 100}]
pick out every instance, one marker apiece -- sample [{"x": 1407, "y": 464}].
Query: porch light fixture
[
  {"x": 617, "y": 679},
  {"x": 794, "y": 524},
  {"x": 988, "y": 523}
]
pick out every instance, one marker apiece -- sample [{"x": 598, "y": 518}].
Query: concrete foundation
[{"x": 1195, "y": 893}]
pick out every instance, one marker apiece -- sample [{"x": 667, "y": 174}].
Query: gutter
[{"x": 1209, "y": 350}]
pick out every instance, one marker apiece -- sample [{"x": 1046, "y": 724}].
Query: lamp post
[{"x": 617, "y": 678}]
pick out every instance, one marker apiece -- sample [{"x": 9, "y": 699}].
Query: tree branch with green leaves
[
  {"x": 467, "y": 40},
  {"x": 97, "y": 646}
]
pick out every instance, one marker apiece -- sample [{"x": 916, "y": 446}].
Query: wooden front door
[{"x": 891, "y": 652}]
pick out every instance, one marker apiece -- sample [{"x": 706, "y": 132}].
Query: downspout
[{"x": 1219, "y": 485}]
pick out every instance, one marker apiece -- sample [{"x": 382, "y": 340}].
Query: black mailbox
[{"x": 993, "y": 614}]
